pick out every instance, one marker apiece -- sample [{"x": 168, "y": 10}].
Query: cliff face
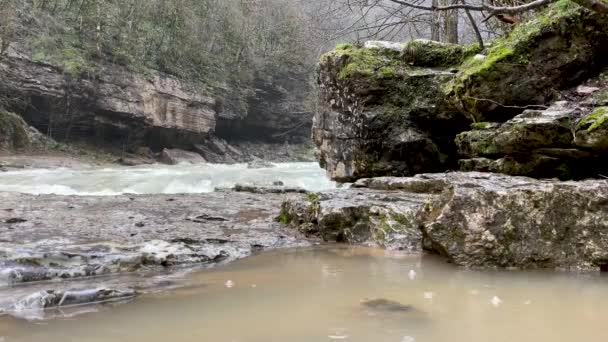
[
  {"x": 276, "y": 109},
  {"x": 382, "y": 110},
  {"x": 115, "y": 107},
  {"x": 402, "y": 109}
]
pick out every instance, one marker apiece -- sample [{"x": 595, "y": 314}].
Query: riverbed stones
[{"x": 477, "y": 220}]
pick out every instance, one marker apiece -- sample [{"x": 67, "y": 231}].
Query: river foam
[{"x": 161, "y": 179}]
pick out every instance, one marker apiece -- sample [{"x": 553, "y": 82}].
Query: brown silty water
[{"x": 342, "y": 293}]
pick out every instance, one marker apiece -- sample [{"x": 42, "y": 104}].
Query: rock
[
  {"x": 473, "y": 219},
  {"x": 259, "y": 164},
  {"x": 116, "y": 107},
  {"x": 380, "y": 115},
  {"x": 385, "y": 305},
  {"x": 382, "y": 218},
  {"x": 107, "y": 235},
  {"x": 57, "y": 299},
  {"x": 536, "y": 143},
  {"x": 13, "y": 132},
  {"x": 498, "y": 221},
  {"x": 586, "y": 90},
  {"x": 527, "y": 66},
  {"x": 15, "y": 220},
  {"x": 592, "y": 131},
  {"x": 176, "y": 156},
  {"x": 260, "y": 189}
]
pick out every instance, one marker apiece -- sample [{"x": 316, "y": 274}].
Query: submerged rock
[
  {"x": 472, "y": 219},
  {"x": 385, "y": 305}
]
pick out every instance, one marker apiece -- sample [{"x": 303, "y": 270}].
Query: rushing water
[
  {"x": 155, "y": 179},
  {"x": 316, "y": 295}
]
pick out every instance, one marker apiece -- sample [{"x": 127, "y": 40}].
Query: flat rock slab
[{"x": 48, "y": 237}]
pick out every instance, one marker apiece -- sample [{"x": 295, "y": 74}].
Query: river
[
  {"x": 161, "y": 179},
  {"x": 319, "y": 294}
]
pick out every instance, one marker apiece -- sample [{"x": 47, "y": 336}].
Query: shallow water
[
  {"x": 315, "y": 295},
  {"x": 161, "y": 179}
]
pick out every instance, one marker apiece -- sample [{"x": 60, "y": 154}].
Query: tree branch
[{"x": 493, "y": 10}]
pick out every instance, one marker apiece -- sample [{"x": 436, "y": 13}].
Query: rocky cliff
[
  {"x": 402, "y": 109},
  {"x": 115, "y": 107},
  {"x": 121, "y": 109}
]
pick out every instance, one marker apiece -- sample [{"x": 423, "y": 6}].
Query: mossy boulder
[
  {"x": 13, "y": 132},
  {"x": 563, "y": 45},
  {"x": 381, "y": 115},
  {"x": 592, "y": 131},
  {"x": 526, "y": 132}
]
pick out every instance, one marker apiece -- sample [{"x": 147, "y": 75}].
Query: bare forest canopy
[{"x": 227, "y": 43}]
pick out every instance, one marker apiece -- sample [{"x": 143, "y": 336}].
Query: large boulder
[
  {"x": 395, "y": 109},
  {"x": 13, "y": 132},
  {"x": 473, "y": 219},
  {"x": 382, "y": 110},
  {"x": 560, "y": 47}
]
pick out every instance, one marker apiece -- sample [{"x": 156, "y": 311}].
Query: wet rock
[
  {"x": 259, "y": 164},
  {"x": 176, "y": 156},
  {"x": 14, "y": 220},
  {"x": 260, "y": 189},
  {"x": 485, "y": 220},
  {"x": 385, "y": 305},
  {"x": 56, "y": 299},
  {"x": 476, "y": 220},
  {"x": 371, "y": 217},
  {"x": 205, "y": 217},
  {"x": 103, "y": 238}
]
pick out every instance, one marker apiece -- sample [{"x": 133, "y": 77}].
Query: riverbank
[{"x": 46, "y": 238}]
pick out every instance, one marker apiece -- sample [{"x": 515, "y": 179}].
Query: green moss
[
  {"x": 13, "y": 131},
  {"x": 284, "y": 217},
  {"x": 595, "y": 119},
  {"x": 344, "y": 46},
  {"x": 506, "y": 55},
  {"x": 434, "y": 54},
  {"x": 477, "y": 126},
  {"x": 387, "y": 71},
  {"x": 312, "y": 197}
]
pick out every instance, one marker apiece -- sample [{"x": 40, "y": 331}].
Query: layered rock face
[
  {"x": 400, "y": 109},
  {"x": 473, "y": 219},
  {"x": 117, "y": 106},
  {"x": 383, "y": 111},
  {"x": 275, "y": 112}
]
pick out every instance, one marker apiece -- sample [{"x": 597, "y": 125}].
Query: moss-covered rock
[
  {"x": 382, "y": 116},
  {"x": 562, "y": 45},
  {"x": 526, "y": 132},
  {"x": 592, "y": 131},
  {"x": 13, "y": 132}
]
